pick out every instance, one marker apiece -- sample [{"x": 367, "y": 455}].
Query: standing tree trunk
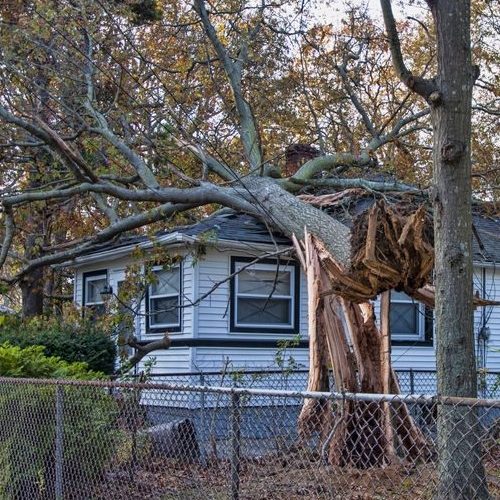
[
  {"x": 33, "y": 284},
  {"x": 461, "y": 473},
  {"x": 32, "y": 294},
  {"x": 460, "y": 467}
]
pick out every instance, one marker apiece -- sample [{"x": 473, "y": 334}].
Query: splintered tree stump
[
  {"x": 391, "y": 248},
  {"x": 327, "y": 340},
  {"x": 364, "y": 443},
  {"x": 314, "y": 412},
  {"x": 344, "y": 335}
]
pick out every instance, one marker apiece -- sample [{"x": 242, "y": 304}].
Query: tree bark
[
  {"x": 33, "y": 284},
  {"x": 313, "y": 410},
  {"x": 461, "y": 474},
  {"x": 292, "y": 216}
]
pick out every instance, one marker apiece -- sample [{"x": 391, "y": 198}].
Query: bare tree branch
[
  {"x": 370, "y": 127},
  {"x": 422, "y": 86},
  {"x": 142, "y": 350},
  {"x": 341, "y": 184},
  {"x": 233, "y": 69}
]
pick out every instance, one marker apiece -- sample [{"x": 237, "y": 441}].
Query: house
[{"x": 244, "y": 317}]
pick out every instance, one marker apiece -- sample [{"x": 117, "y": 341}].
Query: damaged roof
[
  {"x": 231, "y": 226},
  {"x": 236, "y": 227},
  {"x": 228, "y": 226}
]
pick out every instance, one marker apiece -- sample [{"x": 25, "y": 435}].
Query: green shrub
[
  {"x": 31, "y": 362},
  {"x": 28, "y": 433},
  {"x": 71, "y": 340}
]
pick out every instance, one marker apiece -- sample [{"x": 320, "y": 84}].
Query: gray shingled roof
[
  {"x": 486, "y": 240},
  {"x": 227, "y": 226},
  {"x": 242, "y": 227},
  {"x": 235, "y": 227}
]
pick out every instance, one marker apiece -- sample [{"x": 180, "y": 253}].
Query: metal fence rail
[
  {"x": 111, "y": 440},
  {"x": 411, "y": 381}
]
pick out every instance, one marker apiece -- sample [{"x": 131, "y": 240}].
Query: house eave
[
  {"x": 170, "y": 240},
  {"x": 116, "y": 253}
]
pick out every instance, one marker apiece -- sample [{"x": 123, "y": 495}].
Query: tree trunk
[
  {"x": 314, "y": 411},
  {"x": 460, "y": 468},
  {"x": 345, "y": 335},
  {"x": 286, "y": 212},
  {"x": 32, "y": 286}
]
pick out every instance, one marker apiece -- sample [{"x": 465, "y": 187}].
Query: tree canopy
[{"x": 126, "y": 116}]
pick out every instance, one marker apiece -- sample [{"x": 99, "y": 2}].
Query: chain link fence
[
  {"x": 410, "y": 381},
  {"x": 109, "y": 440}
]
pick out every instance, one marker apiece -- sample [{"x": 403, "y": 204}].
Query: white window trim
[
  {"x": 290, "y": 296},
  {"x": 155, "y": 326},
  {"x": 419, "y": 336},
  {"x": 86, "y": 281}
]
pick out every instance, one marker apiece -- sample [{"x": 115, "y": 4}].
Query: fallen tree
[
  {"x": 391, "y": 248},
  {"x": 113, "y": 158},
  {"x": 344, "y": 335}
]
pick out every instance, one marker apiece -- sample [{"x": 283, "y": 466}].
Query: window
[
  {"x": 264, "y": 297},
  {"x": 93, "y": 284},
  {"x": 163, "y": 300},
  {"x": 410, "y": 321}
]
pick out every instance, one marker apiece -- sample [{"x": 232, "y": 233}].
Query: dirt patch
[{"x": 287, "y": 477}]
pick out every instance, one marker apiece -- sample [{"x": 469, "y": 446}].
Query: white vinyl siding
[
  {"x": 239, "y": 358},
  {"x": 119, "y": 266},
  {"x": 491, "y": 317},
  {"x": 173, "y": 360},
  {"x": 210, "y": 320},
  {"x": 213, "y": 311}
]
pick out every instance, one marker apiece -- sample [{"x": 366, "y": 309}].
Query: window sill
[
  {"x": 162, "y": 331},
  {"x": 264, "y": 331},
  {"x": 412, "y": 343}
]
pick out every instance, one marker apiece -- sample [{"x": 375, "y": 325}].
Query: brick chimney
[{"x": 296, "y": 155}]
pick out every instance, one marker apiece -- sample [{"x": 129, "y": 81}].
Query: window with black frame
[
  {"x": 410, "y": 321},
  {"x": 264, "y": 297},
  {"x": 94, "y": 283},
  {"x": 164, "y": 299}
]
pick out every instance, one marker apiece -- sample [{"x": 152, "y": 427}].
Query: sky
[{"x": 331, "y": 11}]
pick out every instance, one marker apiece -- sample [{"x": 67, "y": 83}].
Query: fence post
[
  {"x": 235, "y": 445},
  {"x": 59, "y": 444},
  {"x": 202, "y": 413},
  {"x": 412, "y": 381}
]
